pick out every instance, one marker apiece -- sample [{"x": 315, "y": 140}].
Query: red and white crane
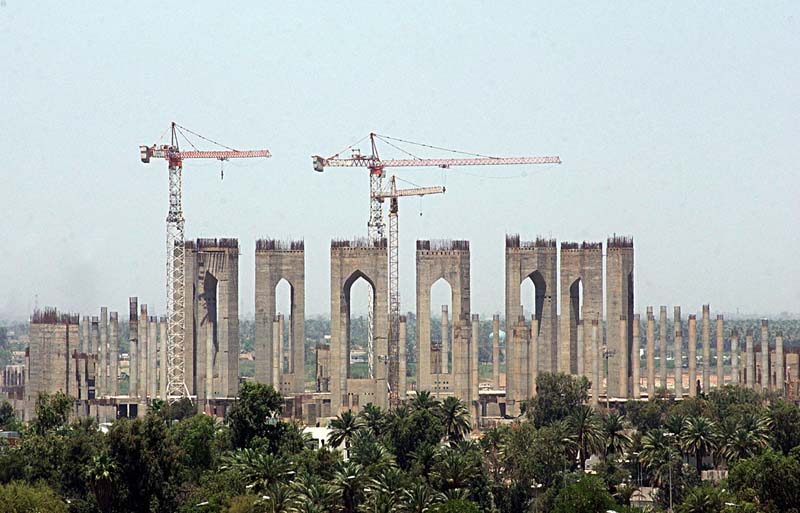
[
  {"x": 176, "y": 300},
  {"x": 375, "y": 226}
]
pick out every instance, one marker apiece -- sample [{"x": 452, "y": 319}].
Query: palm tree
[
  {"x": 658, "y": 455},
  {"x": 369, "y": 452},
  {"x": 674, "y": 424},
  {"x": 699, "y": 437},
  {"x": 373, "y": 418},
  {"x": 101, "y": 475},
  {"x": 424, "y": 401},
  {"x": 343, "y": 428},
  {"x": 348, "y": 482},
  {"x": 455, "y": 417},
  {"x": 312, "y": 494},
  {"x": 423, "y": 458},
  {"x": 261, "y": 470},
  {"x": 615, "y": 439},
  {"x": 587, "y": 432},
  {"x": 454, "y": 469},
  {"x": 420, "y": 498},
  {"x": 156, "y": 406},
  {"x": 279, "y": 498}
]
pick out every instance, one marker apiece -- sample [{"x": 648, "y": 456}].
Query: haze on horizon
[{"x": 677, "y": 124}]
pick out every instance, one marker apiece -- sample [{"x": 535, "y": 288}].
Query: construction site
[{"x": 582, "y": 322}]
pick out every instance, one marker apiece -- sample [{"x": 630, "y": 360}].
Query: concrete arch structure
[
  {"x": 581, "y": 265},
  {"x": 351, "y": 260},
  {"x": 447, "y": 260},
  {"x": 278, "y": 261},
  {"x": 535, "y": 260}
]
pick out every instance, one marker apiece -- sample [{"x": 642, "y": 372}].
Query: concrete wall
[
  {"x": 351, "y": 260},
  {"x": 276, "y": 261},
  {"x": 619, "y": 304}
]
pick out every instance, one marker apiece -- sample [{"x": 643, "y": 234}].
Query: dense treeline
[{"x": 560, "y": 456}]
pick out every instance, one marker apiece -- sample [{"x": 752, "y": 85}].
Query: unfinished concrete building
[
  {"x": 278, "y": 261},
  {"x": 619, "y": 307},
  {"x": 212, "y": 322},
  {"x": 581, "y": 272},
  {"x": 447, "y": 260},
  {"x": 534, "y": 260},
  {"x": 352, "y": 260}
]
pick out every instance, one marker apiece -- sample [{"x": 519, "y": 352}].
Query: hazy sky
[{"x": 678, "y": 124}]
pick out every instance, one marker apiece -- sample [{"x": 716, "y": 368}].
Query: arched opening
[
  {"x": 356, "y": 314},
  {"x": 533, "y": 291},
  {"x": 283, "y": 313},
  {"x": 209, "y": 336},
  {"x": 441, "y": 325},
  {"x": 576, "y": 300}
]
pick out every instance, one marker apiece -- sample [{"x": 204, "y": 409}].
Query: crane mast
[
  {"x": 375, "y": 225},
  {"x": 176, "y": 250}
]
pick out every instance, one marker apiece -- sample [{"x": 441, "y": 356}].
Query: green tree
[
  {"x": 586, "y": 430},
  {"x": 699, "y": 438},
  {"x": 373, "y": 418},
  {"x": 101, "y": 475},
  {"x": 195, "y": 436},
  {"x": 457, "y": 506},
  {"x": 261, "y": 471},
  {"x": 254, "y": 414},
  {"x": 52, "y": 411},
  {"x": 455, "y": 417},
  {"x": 557, "y": 395},
  {"x": 771, "y": 480},
  {"x": 27, "y": 498},
  {"x": 615, "y": 440},
  {"x": 785, "y": 424},
  {"x": 349, "y": 481},
  {"x": 343, "y": 428},
  {"x": 587, "y": 495},
  {"x": 420, "y": 498},
  {"x": 6, "y": 415}
]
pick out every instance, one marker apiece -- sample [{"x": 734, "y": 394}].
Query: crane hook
[{"x": 221, "y": 170}]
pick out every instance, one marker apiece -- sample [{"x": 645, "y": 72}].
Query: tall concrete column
[
  {"x": 209, "y": 364},
  {"x": 720, "y": 367},
  {"x": 473, "y": 370},
  {"x": 496, "y": 350},
  {"x": 749, "y": 359},
  {"x": 622, "y": 366},
  {"x": 780, "y": 382},
  {"x": 596, "y": 358},
  {"x": 401, "y": 333},
  {"x": 533, "y": 357},
  {"x": 94, "y": 335},
  {"x": 706, "y": 349},
  {"x": 113, "y": 353},
  {"x": 678, "y": 356},
  {"x": 144, "y": 348},
  {"x": 765, "y": 373},
  {"x": 581, "y": 350},
  {"x": 282, "y": 344},
  {"x": 636, "y": 360},
  {"x": 276, "y": 354},
  {"x": 445, "y": 333},
  {"x": 651, "y": 349},
  {"x": 102, "y": 371},
  {"x": 133, "y": 352},
  {"x": 662, "y": 343},
  {"x": 163, "y": 365},
  {"x": 692, "y": 355},
  {"x": 84, "y": 345},
  {"x": 735, "y": 380},
  {"x": 152, "y": 366}
]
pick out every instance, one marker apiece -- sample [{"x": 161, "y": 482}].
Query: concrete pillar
[
  {"x": 596, "y": 358},
  {"x": 720, "y": 363},
  {"x": 780, "y": 382},
  {"x": 113, "y": 353},
  {"x": 403, "y": 359},
  {"x": 94, "y": 335},
  {"x": 636, "y": 360},
  {"x": 706, "y": 349},
  {"x": 102, "y": 370},
  {"x": 622, "y": 366},
  {"x": 533, "y": 356},
  {"x": 749, "y": 359},
  {"x": 144, "y": 347},
  {"x": 133, "y": 353},
  {"x": 662, "y": 342},
  {"x": 735, "y": 380},
  {"x": 208, "y": 363},
  {"x": 152, "y": 348},
  {"x": 282, "y": 344},
  {"x": 765, "y": 372},
  {"x": 445, "y": 331},
  {"x": 473, "y": 370},
  {"x": 163, "y": 358},
  {"x": 496, "y": 350},
  {"x": 678, "y": 350},
  {"x": 276, "y": 354},
  {"x": 651, "y": 349},
  {"x": 692, "y": 355},
  {"x": 84, "y": 345},
  {"x": 581, "y": 350}
]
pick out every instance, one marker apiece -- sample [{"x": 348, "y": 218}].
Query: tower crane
[
  {"x": 176, "y": 300},
  {"x": 375, "y": 226}
]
